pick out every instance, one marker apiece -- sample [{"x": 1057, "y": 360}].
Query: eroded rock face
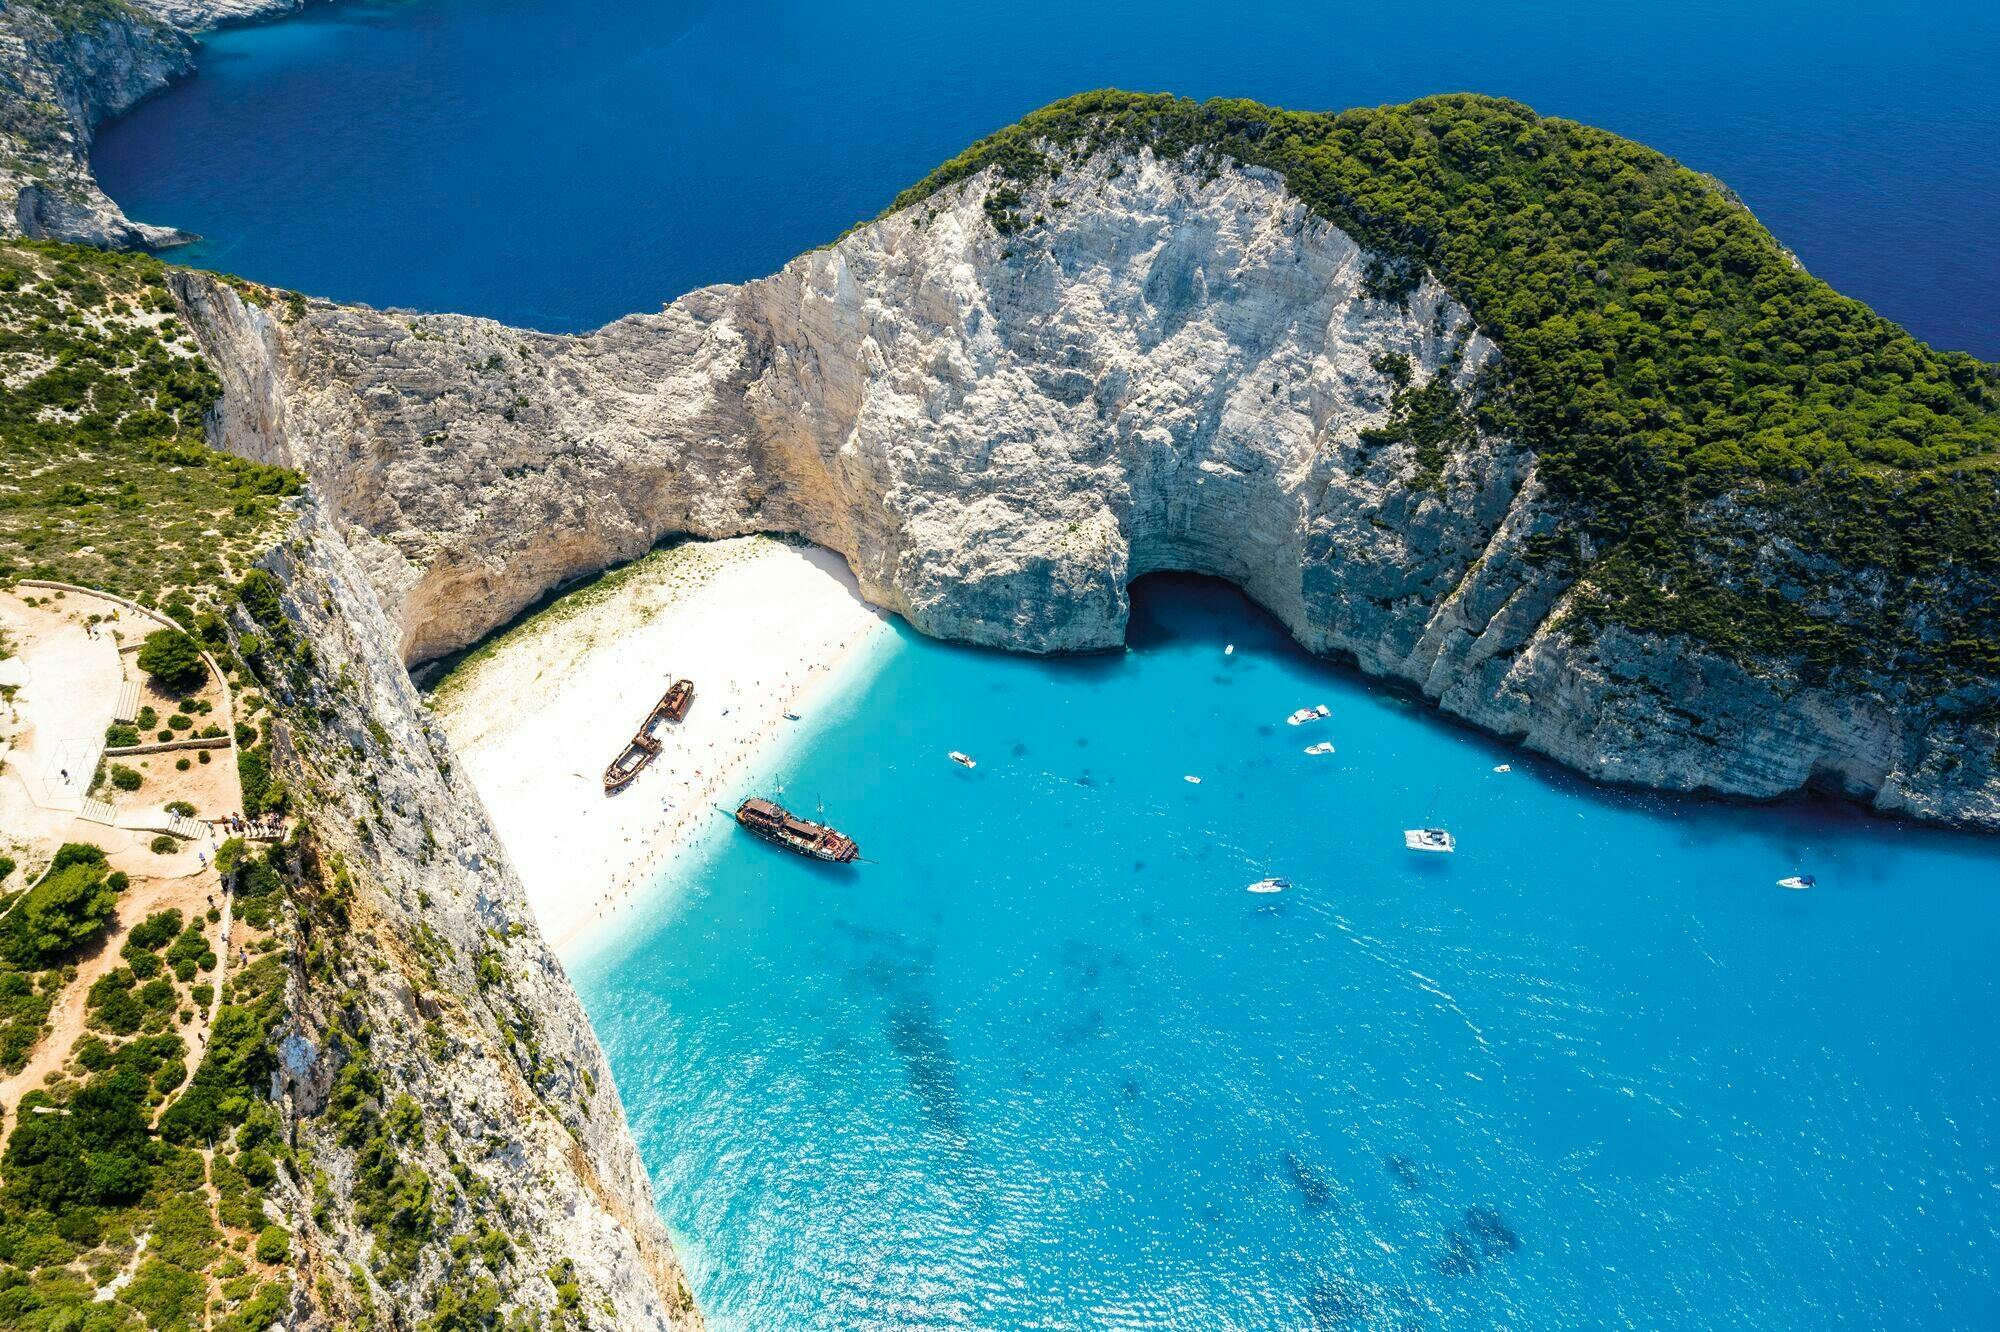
[
  {"x": 1167, "y": 368},
  {"x": 63, "y": 69},
  {"x": 433, "y": 955}
]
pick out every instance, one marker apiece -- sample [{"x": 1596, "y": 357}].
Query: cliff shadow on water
[{"x": 1171, "y": 609}]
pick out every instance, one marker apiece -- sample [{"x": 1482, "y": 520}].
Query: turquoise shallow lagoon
[{"x": 1048, "y": 1065}]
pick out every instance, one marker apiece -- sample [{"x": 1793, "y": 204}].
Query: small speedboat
[
  {"x": 1229, "y": 650},
  {"x": 1192, "y": 780},
  {"x": 1312, "y": 714},
  {"x": 962, "y": 760},
  {"x": 1323, "y": 747},
  {"x": 1269, "y": 886},
  {"x": 1430, "y": 839},
  {"x": 1504, "y": 767},
  {"x": 1797, "y": 882},
  {"x": 790, "y": 715}
]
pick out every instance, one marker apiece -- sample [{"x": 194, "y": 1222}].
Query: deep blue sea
[
  {"x": 559, "y": 163},
  {"x": 1047, "y": 1065}
]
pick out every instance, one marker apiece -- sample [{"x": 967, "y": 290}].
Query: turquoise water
[
  {"x": 563, "y": 162},
  {"x": 1048, "y": 1065}
]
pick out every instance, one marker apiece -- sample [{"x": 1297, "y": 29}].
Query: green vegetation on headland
[
  {"x": 1742, "y": 455},
  {"x": 103, "y": 395}
]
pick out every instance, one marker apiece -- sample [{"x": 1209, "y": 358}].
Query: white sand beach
[{"x": 535, "y": 714}]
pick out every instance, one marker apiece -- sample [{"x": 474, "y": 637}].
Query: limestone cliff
[
  {"x": 1000, "y": 419},
  {"x": 64, "y": 67},
  {"x": 510, "y": 1183}
]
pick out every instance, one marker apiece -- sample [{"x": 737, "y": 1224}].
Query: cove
[
  {"x": 1048, "y": 1065},
  {"x": 561, "y": 164}
]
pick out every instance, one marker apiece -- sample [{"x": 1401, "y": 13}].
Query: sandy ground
[
  {"x": 535, "y": 716},
  {"x": 66, "y": 681}
]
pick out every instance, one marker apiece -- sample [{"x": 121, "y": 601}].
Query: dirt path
[{"x": 196, "y": 1040}]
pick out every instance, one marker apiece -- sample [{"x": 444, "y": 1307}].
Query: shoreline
[{"x": 761, "y": 627}]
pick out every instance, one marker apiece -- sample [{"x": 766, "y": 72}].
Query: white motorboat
[
  {"x": 1229, "y": 650},
  {"x": 1273, "y": 885},
  {"x": 1504, "y": 767},
  {"x": 1430, "y": 839},
  {"x": 962, "y": 760},
  {"x": 1192, "y": 780},
  {"x": 1797, "y": 882},
  {"x": 1323, "y": 747},
  {"x": 790, "y": 715},
  {"x": 1312, "y": 714}
]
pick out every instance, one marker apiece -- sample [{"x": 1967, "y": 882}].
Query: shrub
[
  {"x": 124, "y": 778},
  {"x": 180, "y": 721},
  {"x": 182, "y": 765},
  {"x": 202, "y": 757},
  {"x": 147, "y": 718},
  {"x": 65, "y": 911},
  {"x": 168, "y": 1294},
  {"x": 97, "y": 1155},
  {"x": 119, "y": 734},
  {"x": 77, "y": 853},
  {"x": 253, "y": 770},
  {"x": 6, "y": 868},
  {"x": 274, "y": 1245},
  {"x": 260, "y": 878},
  {"x": 260, "y": 596},
  {"x": 111, "y": 999},
  {"x": 173, "y": 659},
  {"x": 155, "y": 931},
  {"x": 190, "y": 951},
  {"x": 180, "y": 807},
  {"x": 163, "y": 845}
]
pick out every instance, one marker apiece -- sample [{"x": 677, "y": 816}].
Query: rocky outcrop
[
  {"x": 63, "y": 69},
  {"x": 422, "y": 962},
  {"x": 1145, "y": 365}
]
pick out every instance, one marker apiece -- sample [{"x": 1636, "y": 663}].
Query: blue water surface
[
  {"x": 562, "y": 162},
  {"x": 1048, "y": 1065}
]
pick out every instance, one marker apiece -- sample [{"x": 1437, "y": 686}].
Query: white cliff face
[
  {"x": 1168, "y": 368},
  {"x": 432, "y": 954}
]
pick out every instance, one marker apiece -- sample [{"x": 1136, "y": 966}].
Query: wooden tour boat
[
  {"x": 645, "y": 745},
  {"x": 776, "y": 824}
]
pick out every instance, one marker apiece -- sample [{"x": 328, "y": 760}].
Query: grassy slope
[
  {"x": 102, "y": 397},
  {"x": 1689, "y": 390}
]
